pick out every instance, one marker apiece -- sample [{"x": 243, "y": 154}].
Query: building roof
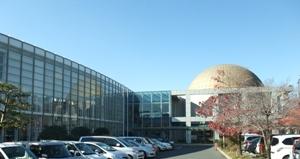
[{"x": 225, "y": 76}]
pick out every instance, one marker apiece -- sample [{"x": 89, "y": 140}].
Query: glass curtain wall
[
  {"x": 63, "y": 92},
  {"x": 149, "y": 110}
]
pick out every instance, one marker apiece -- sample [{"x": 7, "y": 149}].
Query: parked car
[
  {"x": 148, "y": 150},
  {"x": 106, "y": 150},
  {"x": 159, "y": 145},
  {"x": 154, "y": 145},
  {"x": 144, "y": 141},
  {"x": 80, "y": 149},
  {"x": 256, "y": 145},
  {"x": 162, "y": 145},
  {"x": 282, "y": 146},
  {"x": 246, "y": 138},
  {"x": 117, "y": 143},
  {"x": 51, "y": 149},
  {"x": 166, "y": 141},
  {"x": 15, "y": 150},
  {"x": 296, "y": 149}
]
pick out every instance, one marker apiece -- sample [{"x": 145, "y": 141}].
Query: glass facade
[
  {"x": 63, "y": 92},
  {"x": 67, "y": 93},
  {"x": 149, "y": 111}
]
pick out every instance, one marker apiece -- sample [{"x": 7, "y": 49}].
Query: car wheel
[{"x": 286, "y": 157}]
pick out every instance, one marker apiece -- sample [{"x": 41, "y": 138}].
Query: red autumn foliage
[
  {"x": 206, "y": 108},
  {"x": 292, "y": 118},
  {"x": 227, "y": 108}
]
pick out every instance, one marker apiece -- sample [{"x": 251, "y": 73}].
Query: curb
[
  {"x": 194, "y": 144},
  {"x": 223, "y": 153}
]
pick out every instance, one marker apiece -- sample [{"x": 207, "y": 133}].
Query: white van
[
  {"x": 282, "y": 146},
  {"x": 117, "y": 143}
]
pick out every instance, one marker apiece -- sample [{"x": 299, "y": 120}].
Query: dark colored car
[
  {"x": 256, "y": 145},
  {"x": 50, "y": 150}
]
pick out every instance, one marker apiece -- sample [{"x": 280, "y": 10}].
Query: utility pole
[{"x": 299, "y": 88}]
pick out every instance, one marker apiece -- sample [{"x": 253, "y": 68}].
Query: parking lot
[{"x": 191, "y": 152}]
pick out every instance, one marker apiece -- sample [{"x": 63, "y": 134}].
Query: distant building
[
  {"x": 70, "y": 94},
  {"x": 172, "y": 114}
]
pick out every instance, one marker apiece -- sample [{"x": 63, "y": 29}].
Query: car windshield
[
  {"x": 255, "y": 140},
  {"x": 133, "y": 143},
  {"x": 16, "y": 152},
  {"x": 86, "y": 150},
  {"x": 126, "y": 143},
  {"x": 155, "y": 141},
  {"x": 106, "y": 147},
  {"x": 55, "y": 151},
  {"x": 252, "y": 137}
]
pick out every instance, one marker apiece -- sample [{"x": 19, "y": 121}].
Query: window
[
  {"x": 39, "y": 70},
  {"x": 59, "y": 59},
  {"x": 165, "y": 108},
  {"x": 3, "y": 38},
  {"x": 50, "y": 55},
  {"x": 274, "y": 141},
  {"x": 111, "y": 142},
  {"x": 156, "y": 98},
  {"x": 14, "y": 55},
  {"x": 165, "y": 97},
  {"x": 49, "y": 66},
  {"x": 40, "y": 52},
  {"x": 27, "y": 59},
  {"x": 27, "y": 67},
  {"x": 288, "y": 141},
  {"x": 27, "y": 47},
  {"x": 15, "y": 43},
  {"x": 39, "y": 63},
  {"x": 95, "y": 148},
  {"x": 14, "y": 63}
]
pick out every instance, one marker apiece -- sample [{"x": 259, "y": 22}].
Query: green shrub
[
  {"x": 101, "y": 131},
  {"x": 77, "y": 132},
  {"x": 54, "y": 133}
]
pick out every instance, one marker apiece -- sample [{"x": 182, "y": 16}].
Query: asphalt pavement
[{"x": 195, "y": 151}]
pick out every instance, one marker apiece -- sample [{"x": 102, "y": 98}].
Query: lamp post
[{"x": 299, "y": 88}]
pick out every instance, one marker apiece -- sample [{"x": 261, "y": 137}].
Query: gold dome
[{"x": 225, "y": 76}]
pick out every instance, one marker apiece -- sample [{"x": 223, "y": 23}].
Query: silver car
[
  {"x": 106, "y": 150},
  {"x": 80, "y": 149},
  {"x": 15, "y": 150},
  {"x": 148, "y": 150},
  {"x": 117, "y": 143}
]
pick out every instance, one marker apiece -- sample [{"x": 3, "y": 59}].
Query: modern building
[
  {"x": 64, "y": 92},
  {"x": 172, "y": 114}
]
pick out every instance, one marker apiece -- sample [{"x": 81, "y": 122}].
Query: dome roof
[{"x": 225, "y": 76}]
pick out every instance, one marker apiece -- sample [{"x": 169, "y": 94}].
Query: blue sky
[{"x": 163, "y": 44}]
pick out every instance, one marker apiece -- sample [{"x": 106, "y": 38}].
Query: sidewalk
[{"x": 223, "y": 153}]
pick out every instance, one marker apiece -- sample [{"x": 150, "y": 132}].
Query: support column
[
  {"x": 2, "y": 134},
  {"x": 16, "y": 134},
  {"x": 216, "y": 136},
  {"x": 188, "y": 123}
]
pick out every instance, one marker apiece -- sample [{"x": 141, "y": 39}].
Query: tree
[
  {"x": 292, "y": 117},
  {"x": 101, "y": 131},
  {"x": 54, "y": 133},
  {"x": 260, "y": 108},
  {"x": 77, "y": 132},
  {"x": 12, "y": 102},
  {"x": 225, "y": 109},
  {"x": 267, "y": 109},
  {"x": 227, "y": 113}
]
